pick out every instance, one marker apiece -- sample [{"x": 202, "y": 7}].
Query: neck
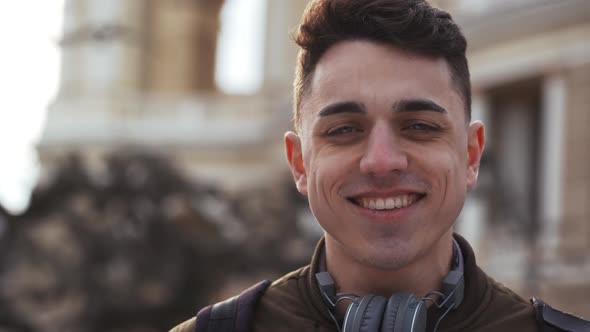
[{"x": 419, "y": 276}]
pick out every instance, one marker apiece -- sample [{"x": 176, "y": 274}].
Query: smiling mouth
[{"x": 387, "y": 203}]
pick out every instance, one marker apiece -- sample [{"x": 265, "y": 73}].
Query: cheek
[
  {"x": 453, "y": 181},
  {"x": 324, "y": 176},
  {"x": 444, "y": 168},
  {"x": 327, "y": 173},
  {"x": 321, "y": 195}
]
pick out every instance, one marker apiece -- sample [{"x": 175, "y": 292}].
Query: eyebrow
[
  {"x": 342, "y": 107},
  {"x": 404, "y": 105},
  {"x": 417, "y": 105}
]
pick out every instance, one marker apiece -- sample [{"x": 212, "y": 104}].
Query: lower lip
[{"x": 386, "y": 216}]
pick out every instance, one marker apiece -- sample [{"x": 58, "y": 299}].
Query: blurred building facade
[
  {"x": 139, "y": 73},
  {"x": 528, "y": 216}
]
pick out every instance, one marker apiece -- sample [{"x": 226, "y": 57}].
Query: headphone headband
[{"x": 395, "y": 311}]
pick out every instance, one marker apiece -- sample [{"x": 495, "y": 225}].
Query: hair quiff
[{"x": 412, "y": 25}]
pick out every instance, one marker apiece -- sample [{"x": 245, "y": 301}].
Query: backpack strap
[
  {"x": 553, "y": 320},
  {"x": 234, "y": 314}
]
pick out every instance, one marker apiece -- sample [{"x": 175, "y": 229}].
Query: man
[{"x": 385, "y": 151}]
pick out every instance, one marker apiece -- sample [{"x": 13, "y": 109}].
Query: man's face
[{"x": 385, "y": 154}]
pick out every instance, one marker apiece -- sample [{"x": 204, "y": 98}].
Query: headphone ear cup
[
  {"x": 351, "y": 313},
  {"x": 393, "y": 317},
  {"x": 369, "y": 314},
  {"x": 404, "y": 313},
  {"x": 415, "y": 317}
]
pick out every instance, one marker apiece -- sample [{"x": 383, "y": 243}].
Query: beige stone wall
[
  {"x": 181, "y": 38},
  {"x": 101, "y": 46},
  {"x": 575, "y": 228}
]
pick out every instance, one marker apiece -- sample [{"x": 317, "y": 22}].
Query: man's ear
[
  {"x": 295, "y": 159},
  {"x": 475, "y": 145}
]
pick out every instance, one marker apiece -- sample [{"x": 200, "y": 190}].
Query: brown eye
[
  {"x": 342, "y": 131},
  {"x": 422, "y": 127}
]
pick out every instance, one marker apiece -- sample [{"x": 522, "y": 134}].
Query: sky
[
  {"x": 29, "y": 59},
  {"x": 241, "y": 45},
  {"x": 29, "y": 78}
]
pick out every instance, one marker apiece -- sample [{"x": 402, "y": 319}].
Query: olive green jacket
[{"x": 294, "y": 303}]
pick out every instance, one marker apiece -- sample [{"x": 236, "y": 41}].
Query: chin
[
  {"x": 386, "y": 257},
  {"x": 386, "y": 262}
]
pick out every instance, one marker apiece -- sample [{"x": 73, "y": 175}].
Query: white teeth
[
  {"x": 380, "y": 204},
  {"x": 388, "y": 203}
]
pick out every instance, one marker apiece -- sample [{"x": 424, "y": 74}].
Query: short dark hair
[{"x": 412, "y": 25}]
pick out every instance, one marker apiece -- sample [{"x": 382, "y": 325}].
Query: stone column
[
  {"x": 101, "y": 48},
  {"x": 181, "y": 40},
  {"x": 574, "y": 171},
  {"x": 282, "y": 19},
  {"x": 553, "y": 110},
  {"x": 474, "y": 216},
  {"x": 71, "y": 77}
]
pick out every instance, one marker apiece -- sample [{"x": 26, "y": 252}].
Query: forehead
[{"x": 378, "y": 76}]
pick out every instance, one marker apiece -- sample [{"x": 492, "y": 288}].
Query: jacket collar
[
  {"x": 476, "y": 290},
  {"x": 477, "y": 293}
]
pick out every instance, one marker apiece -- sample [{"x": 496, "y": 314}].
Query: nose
[{"x": 383, "y": 153}]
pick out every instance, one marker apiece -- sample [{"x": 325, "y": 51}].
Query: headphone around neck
[{"x": 402, "y": 312}]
